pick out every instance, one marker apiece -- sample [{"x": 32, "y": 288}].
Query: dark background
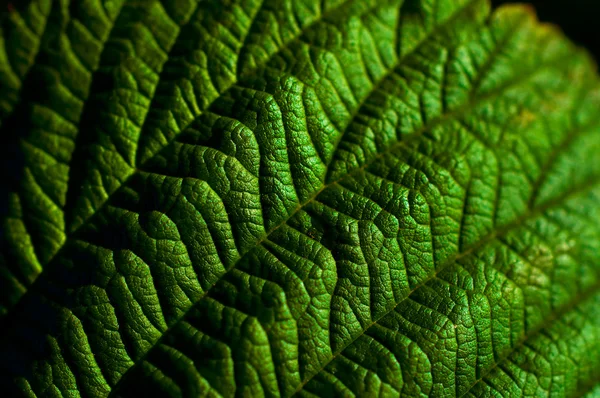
[{"x": 579, "y": 19}]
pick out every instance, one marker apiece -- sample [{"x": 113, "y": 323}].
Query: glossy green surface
[{"x": 321, "y": 198}]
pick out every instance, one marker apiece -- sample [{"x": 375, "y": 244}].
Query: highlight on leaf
[{"x": 308, "y": 198}]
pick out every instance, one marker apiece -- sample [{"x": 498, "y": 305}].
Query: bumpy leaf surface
[{"x": 297, "y": 197}]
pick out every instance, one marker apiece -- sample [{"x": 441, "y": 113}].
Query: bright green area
[{"x": 276, "y": 197}]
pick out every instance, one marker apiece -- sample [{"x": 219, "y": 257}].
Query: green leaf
[{"x": 299, "y": 197}]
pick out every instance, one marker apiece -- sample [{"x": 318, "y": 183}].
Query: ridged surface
[{"x": 320, "y": 198}]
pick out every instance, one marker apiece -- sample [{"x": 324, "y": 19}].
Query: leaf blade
[{"x": 244, "y": 270}]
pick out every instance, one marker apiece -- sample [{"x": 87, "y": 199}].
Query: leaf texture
[{"x": 299, "y": 197}]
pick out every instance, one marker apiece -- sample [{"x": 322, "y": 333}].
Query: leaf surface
[{"x": 312, "y": 198}]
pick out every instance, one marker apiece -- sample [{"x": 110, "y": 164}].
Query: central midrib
[
  {"x": 135, "y": 170},
  {"x": 438, "y": 121},
  {"x": 71, "y": 234},
  {"x": 375, "y": 86},
  {"x": 415, "y": 135}
]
